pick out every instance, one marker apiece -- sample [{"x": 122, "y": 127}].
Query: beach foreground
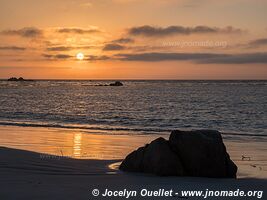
[
  {"x": 70, "y": 164},
  {"x": 26, "y": 175}
]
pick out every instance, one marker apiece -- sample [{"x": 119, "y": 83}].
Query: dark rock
[
  {"x": 231, "y": 167},
  {"x": 155, "y": 158},
  {"x": 117, "y": 83},
  {"x": 203, "y": 153},
  {"x": 199, "y": 153},
  {"x": 134, "y": 161},
  {"x": 160, "y": 160},
  {"x": 17, "y": 79},
  {"x": 12, "y": 79}
]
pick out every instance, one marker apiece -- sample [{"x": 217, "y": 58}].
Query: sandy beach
[
  {"x": 133, "y": 99},
  {"x": 46, "y": 172}
]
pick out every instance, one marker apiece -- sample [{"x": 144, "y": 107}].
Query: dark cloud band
[
  {"x": 258, "y": 42},
  {"x": 249, "y": 58},
  {"x": 77, "y": 30},
  {"x": 57, "y": 56},
  {"x": 113, "y": 47},
  {"x": 69, "y": 48},
  {"x": 202, "y": 58},
  {"x": 155, "y": 57},
  {"x": 123, "y": 40},
  {"x": 151, "y": 31},
  {"x": 27, "y": 32},
  {"x": 12, "y": 48}
]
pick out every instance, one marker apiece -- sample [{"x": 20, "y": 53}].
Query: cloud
[
  {"x": 123, "y": 40},
  {"x": 258, "y": 42},
  {"x": 78, "y": 30},
  {"x": 59, "y": 48},
  {"x": 12, "y": 48},
  {"x": 67, "y": 56},
  {"x": 31, "y": 68},
  {"x": 246, "y": 58},
  {"x": 57, "y": 56},
  {"x": 152, "y": 31},
  {"x": 113, "y": 47},
  {"x": 201, "y": 58},
  {"x": 155, "y": 57},
  {"x": 68, "y": 48},
  {"x": 97, "y": 58},
  {"x": 27, "y": 32}
]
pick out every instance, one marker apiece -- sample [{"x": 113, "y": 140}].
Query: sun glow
[{"x": 80, "y": 56}]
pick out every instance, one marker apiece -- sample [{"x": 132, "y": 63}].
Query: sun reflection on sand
[
  {"x": 77, "y": 145},
  {"x": 71, "y": 143}
]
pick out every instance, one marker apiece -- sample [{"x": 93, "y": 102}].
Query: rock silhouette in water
[
  {"x": 187, "y": 153},
  {"x": 117, "y": 83},
  {"x": 17, "y": 79},
  {"x": 13, "y": 79}
]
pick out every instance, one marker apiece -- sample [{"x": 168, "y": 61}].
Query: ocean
[{"x": 138, "y": 107}]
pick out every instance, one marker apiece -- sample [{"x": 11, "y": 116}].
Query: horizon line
[{"x": 81, "y": 79}]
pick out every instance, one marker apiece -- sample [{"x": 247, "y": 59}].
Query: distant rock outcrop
[
  {"x": 17, "y": 79},
  {"x": 117, "y": 83},
  {"x": 13, "y": 79},
  {"x": 200, "y": 153}
]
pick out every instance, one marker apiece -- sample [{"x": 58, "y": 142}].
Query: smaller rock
[
  {"x": 134, "y": 161},
  {"x": 159, "y": 159},
  {"x": 12, "y": 79},
  {"x": 117, "y": 83},
  {"x": 155, "y": 158},
  {"x": 17, "y": 79}
]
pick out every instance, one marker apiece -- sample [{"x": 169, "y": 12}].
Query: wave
[
  {"x": 118, "y": 130},
  {"x": 25, "y": 124}
]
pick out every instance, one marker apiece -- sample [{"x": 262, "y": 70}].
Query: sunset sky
[{"x": 133, "y": 39}]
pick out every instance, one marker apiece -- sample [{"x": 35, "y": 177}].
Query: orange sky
[{"x": 133, "y": 39}]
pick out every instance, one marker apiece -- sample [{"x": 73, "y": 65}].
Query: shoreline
[
  {"x": 69, "y": 164},
  {"x": 64, "y": 143},
  {"x": 121, "y": 130},
  {"x": 25, "y": 176}
]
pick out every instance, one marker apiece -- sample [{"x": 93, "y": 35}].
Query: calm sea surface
[{"x": 139, "y": 107}]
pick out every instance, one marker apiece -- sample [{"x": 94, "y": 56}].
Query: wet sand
[{"x": 34, "y": 175}]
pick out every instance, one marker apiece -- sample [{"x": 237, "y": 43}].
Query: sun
[{"x": 80, "y": 56}]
